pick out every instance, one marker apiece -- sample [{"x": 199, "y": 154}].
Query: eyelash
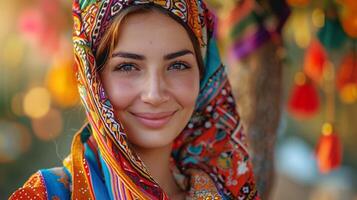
[
  {"x": 180, "y": 63},
  {"x": 121, "y": 67},
  {"x": 133, "y": 67}
]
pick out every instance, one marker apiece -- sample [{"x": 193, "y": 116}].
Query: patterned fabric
[
  {"x": 34, "y": 188},
  {"x": 210, "y": 153}
]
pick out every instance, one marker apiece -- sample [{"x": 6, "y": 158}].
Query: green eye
[{"x": 179, "y": 66}]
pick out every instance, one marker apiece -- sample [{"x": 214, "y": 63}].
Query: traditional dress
[{"x": 209, "y": 158}]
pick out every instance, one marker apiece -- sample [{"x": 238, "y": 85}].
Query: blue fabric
[
  {"x": 54, "y": 186},
  {"x": 106, "y": 177},
  {"x": 212, "y": 61},
  {"x": 99, "y": 186}
]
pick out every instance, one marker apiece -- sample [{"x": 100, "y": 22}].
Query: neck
[{"x": 157, "y": 161}]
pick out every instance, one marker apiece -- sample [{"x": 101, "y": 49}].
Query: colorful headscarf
[
  {"x": 211, "y": 144},
  {"x": 209, "y": 152}
]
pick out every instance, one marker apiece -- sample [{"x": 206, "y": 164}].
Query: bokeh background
[{"x": 292, "y": 65}]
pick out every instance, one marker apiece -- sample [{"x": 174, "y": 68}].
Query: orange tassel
[
  {"x": 304, "y": 101},
  {"x": 328, "y": 150},
  {"x": 349, "y": 22},
  {"x": 346, "y": 80},
  {"x": 347, "y": 73},
  {"x": 314, "y": 61},
  {"x": 350, "y": 4}
]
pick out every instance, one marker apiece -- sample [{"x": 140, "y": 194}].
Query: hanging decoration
[
  {"x": 329, "y": 147},
  {"x": 328, "y": 150},
  {"x": 331, "y": 35},
  {"x": 335, "y": 30},
  {"x": 346, "y": 80},
  {"x": 348, "y": 18},
  {"x": 351, "y": 4},
  {"x": 314, "y": 61},
  {"x": 304, "y": 101}
]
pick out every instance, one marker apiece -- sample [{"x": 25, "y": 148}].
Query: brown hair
[{"x": 110, "y": 38}]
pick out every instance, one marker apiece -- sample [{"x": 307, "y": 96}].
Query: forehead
[{"x": 154, "y": 31}]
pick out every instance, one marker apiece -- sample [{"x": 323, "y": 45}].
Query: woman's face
[{"x": 152, "y": 79}]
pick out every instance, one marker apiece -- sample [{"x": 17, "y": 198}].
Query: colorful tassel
[
  {"x": 314, "y": 62},
  {"x": 349, "y": 22},
  {"x": 304, "y": 101},
  {"x": 351, "y": 4},
  {"x": 347, "y": 72},
  {"x": 332, "y": 29},
  {"x": 329, "y": 150},
  {"x": 346, "y": 80}
]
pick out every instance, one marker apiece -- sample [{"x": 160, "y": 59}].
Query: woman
[{"x": 162, "y": 122}]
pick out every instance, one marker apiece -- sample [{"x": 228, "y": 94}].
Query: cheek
[
  {"x": 121, "y": 92},
  {"x": 185, "y": 87}
]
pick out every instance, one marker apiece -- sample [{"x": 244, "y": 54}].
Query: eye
[
  {"x": 126, "y": 67},
  {"x": 179, "y": 66}
]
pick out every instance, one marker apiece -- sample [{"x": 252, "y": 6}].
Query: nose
[{"x": 154, "y": 91}]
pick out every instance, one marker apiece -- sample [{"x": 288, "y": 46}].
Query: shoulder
[
  {"x": 51, "y": 183},
  {"x": 34, "y": 188}
]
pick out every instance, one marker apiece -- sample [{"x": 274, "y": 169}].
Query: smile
[{"x": 154, "y": 120}]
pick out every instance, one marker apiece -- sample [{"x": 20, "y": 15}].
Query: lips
[{"x": 154, "y": 120}]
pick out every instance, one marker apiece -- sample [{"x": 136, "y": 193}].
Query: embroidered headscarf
[{"x": 211, "y": 146}]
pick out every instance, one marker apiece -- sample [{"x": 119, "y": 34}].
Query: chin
[{"x": 151, "y": 139}]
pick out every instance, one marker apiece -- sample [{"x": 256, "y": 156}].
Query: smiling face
[{"x": 152, "y": 79}]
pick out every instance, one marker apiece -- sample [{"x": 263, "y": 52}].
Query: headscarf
[{"x": 210, "y": 152}]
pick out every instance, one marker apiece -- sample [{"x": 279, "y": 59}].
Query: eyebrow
[
  {"x": 177, "y": 54},
  {"x": 128, "y": 55},
  {"x": 169, "y": 56}
]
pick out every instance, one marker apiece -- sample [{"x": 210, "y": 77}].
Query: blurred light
[
  {"x": 37, "y": 102},
  {"x": 40, "y": 29},
  {"x": 302, "y": 38},
  {"x": 62, "y": 84},
  {"x": 348, "y": 93},
  {"x": 300, "y": 78},
  {"x": 49, "y": 126},
  {"x": 14, "y": 140},
  {"x": 295, "y": 158},
  {"x": 16, "y": 104},
  {"x": 31, "y": 24},
  {"x": 300, "y": 29},
  {"x": 12, "y": 51},
  {"x": 349, "y": 23},
  {"x": 318, "y": 18},
  {"x": 327, "y": 129},
  {"x": 336, "y": 186}
]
